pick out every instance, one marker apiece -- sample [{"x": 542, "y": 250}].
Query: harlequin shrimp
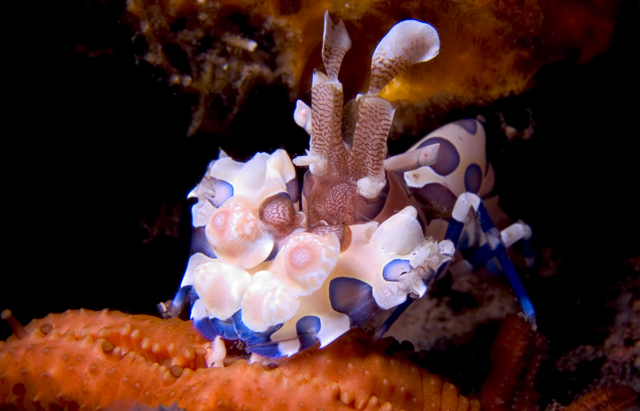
[{"x": 282, "y": 270}]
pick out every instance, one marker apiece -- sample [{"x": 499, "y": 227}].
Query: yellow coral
[{"x": 490, "y": 49}]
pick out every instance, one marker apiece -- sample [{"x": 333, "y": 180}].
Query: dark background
[{"x": 101, "y": 145}]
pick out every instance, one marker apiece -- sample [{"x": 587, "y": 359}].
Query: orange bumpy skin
[
  {"x": 616, "y": 398},
  {"x": 516, "y": 355},
  {"x": 86, "y": 360}
]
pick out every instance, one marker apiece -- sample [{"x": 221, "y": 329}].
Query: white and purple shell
[{"x": 281, "y": 279}]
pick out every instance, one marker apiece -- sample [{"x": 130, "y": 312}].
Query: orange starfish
[
  {"x": 516, "y": 349},
  {"x": 617, "y": 398},
  {"x": 86, "y": 360}
]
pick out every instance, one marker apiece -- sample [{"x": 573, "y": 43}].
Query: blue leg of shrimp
[
  {"x": 462, "y": 207},
  {"x": 484, "y": 255},
  {"x": 307, "y": 329},
  {"x": 399, "y": 310}
]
